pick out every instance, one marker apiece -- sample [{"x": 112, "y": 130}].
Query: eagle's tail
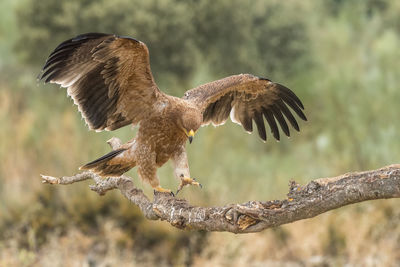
[{"x": 106, "y": 166}]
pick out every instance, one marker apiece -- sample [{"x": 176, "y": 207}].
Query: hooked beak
[{"x": 190, "y": 135}]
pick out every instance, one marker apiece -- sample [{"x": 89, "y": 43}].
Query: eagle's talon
[
  {"x": 187, "y": 181},
  {"x": 197, "y": 183},
  {"x": 177, "y": 191}
]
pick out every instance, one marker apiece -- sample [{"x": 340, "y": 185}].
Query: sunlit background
[{"x": 342, "y": 58}]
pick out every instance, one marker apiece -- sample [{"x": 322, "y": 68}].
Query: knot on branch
[
  {"x": 250, "y": 213},
  {"x": 236, "y": 217},
  {"x": 296, "y": 191}
]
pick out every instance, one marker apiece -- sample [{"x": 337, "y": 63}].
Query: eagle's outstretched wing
[
  {"x": 108, "y": 77},
  {"x": 246, "y": 98}
]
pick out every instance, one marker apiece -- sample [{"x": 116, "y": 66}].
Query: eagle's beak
[{"x": 190, "y": 135}]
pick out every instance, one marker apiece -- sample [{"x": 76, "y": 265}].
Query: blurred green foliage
[
  {"x": 340, "y": 57},
  {"x": 181, "y": 35}
]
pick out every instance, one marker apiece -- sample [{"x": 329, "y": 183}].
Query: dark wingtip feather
[
  {"x": 272, "y": 123},
  {"x": 289, "y": 93},
  {"x": 281, "y": 120},
  {"x": 52, "y": 68},
  {"x": 285, "y": 110},
  {"x": 54, "y": 59},
  {"x": 258, "y": 119},
  {"x": 295, "y": 107},
  {"x": 62, "y": 52},
  {"x": 78, "y": 39}
]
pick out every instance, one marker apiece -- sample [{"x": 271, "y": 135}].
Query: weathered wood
[{"x": 303, "y": 202}]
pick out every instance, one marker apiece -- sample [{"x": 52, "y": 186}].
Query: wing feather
[
  {"x": 272, "y": 123},
  {"x": 245, "y": 120},
  {"x": 281, "y": 120},
  {"x": 258, "y": 119},
  {"x": 295, "y": 107},
  {"x": 108, "y": 77},
  {"x": 285, "y": 110},
  {"x": 246, "y": 98}
]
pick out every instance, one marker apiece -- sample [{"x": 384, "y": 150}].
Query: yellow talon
[{"x": 186, "y": 181}]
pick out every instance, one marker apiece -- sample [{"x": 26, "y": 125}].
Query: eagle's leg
[
  {"x": 148, "y": 172},
  {"x": 181, "y": 170}
]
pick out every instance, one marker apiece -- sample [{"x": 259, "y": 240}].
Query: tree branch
[
  {"x": 310, "y": 200},
  {"x": 303, "y": 202}
]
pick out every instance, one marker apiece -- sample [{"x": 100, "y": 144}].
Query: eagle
[{"x": 109, "y": 78}]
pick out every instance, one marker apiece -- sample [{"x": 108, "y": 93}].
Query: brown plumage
[{"x": 110, "y": 80}]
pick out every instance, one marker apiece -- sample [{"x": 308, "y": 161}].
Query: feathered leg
[
  {"x": 181, "y": 170},
  {"x": 147, "y": 170}
]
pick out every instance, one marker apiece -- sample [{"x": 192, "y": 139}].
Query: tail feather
[{"x": 102, "y": 167}]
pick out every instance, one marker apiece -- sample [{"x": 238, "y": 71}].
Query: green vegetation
[{"x": 340, "y": 57}]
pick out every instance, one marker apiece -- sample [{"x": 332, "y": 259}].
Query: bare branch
[{"x": 303, "y": 202}]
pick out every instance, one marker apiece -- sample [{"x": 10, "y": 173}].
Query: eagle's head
[{"x": 190, "y": 121}]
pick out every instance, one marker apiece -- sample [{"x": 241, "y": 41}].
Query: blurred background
[{"x": 342, "y": 58}]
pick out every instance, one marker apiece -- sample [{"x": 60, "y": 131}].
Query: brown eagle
[{"x": 109, "y": 78}]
